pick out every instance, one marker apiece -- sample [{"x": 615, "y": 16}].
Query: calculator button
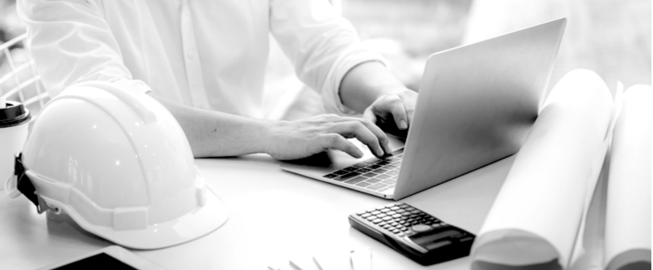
[
  {"x": 364, "y": 215},
  {"x": 384, "y": 210},
  {"x": 466, "y": 239},
  {"x": 396, "y": 216},
  {"x": 420, "y": 228},
  {"x": 386, "y": 218},
  {"x": 376, "y": 221},
  {"x": 395, "y": 231},
  {"x": 376, "y": 212}
]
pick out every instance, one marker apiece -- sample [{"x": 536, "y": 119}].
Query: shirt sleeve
[
  {"x": 322, "y": 45},
  {"x": 72, "y": 43}
]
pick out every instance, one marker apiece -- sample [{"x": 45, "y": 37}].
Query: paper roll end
[{"x": 512, "y": 248}]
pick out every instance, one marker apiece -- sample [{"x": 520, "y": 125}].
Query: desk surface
[{"x": 273, "y": 214}]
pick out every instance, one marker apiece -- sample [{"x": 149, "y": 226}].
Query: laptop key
[
  {"x": 357, "y": 165},
  {"x": 356, "y": 180},
  {"x": 363, "y": 184},
  {"x": 373, "y": 180},
  {"x": 363, "y": 170},
  {"x": 348, "y": 176},
  {"x": 380, "y": 170},
  {"x": 377, "y": 186},
  {"x": 383, "y": 176}
]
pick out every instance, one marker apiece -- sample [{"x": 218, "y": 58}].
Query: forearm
[
  {"x": 364, "y": 83},
  {"x": 213, "y": 134}
]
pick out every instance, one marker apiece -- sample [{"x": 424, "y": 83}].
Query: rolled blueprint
[
  {"x": 537, "y": 214},
  {"x": 628, "y": 210}
]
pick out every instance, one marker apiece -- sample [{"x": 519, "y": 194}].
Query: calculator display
[{"x": 435, "y": 240}]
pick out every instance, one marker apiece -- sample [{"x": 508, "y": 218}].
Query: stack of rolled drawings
[
  {"x": 539, "y": 211},
  {"x": 628, "y": 210}
]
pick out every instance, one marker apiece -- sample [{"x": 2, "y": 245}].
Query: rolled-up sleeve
[
  {"x": 322, "y": 45},
  {"x": 72, "y": 43}
]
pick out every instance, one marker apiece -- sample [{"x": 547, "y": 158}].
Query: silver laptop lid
[{"x": 476, "y": 105}]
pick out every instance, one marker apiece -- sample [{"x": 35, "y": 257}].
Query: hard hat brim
[{"x": 188, "y": 227}]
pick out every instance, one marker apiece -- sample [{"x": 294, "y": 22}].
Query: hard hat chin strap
[{"x": 25, "y": 186}]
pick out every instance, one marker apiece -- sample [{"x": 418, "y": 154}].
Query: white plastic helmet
[{"x": 120, "y": 165}]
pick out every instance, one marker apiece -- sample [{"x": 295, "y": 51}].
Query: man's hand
[
  {"x": 306, "y": 137},
  {"x": 393, "y": 111},
  {"x": 371, "y": 89}
]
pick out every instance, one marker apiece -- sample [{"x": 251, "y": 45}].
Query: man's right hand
[{"x": 303, "y": 138}]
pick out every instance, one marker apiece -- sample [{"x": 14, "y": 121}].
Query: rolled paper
[
  {"x": 537, "y": 213},
  {"x": 628, "y": 207}
]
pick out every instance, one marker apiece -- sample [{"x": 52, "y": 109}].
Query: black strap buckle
[{"x": 25, "y": 186}]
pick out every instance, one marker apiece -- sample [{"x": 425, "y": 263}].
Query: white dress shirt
[{"x": 206, "y": 54}]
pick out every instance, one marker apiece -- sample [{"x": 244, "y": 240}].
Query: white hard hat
[{"x": 120, "y": 165}]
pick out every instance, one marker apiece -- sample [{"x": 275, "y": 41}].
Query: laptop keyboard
[{"x": 373, "y": 174}]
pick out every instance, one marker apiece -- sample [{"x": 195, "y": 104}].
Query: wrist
[
  {"x": 366, "y": 83},
  {"x": 270, "y": 136}
]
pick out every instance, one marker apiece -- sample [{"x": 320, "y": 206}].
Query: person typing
[{"x": 205, "y": 62}]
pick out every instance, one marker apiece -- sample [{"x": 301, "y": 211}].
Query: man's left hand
[{"x": 394, "y": 111}]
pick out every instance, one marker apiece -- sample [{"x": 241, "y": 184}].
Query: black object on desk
[{"x": 414, "y": 233}]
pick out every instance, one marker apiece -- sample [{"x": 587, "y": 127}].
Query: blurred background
[{"x": 610, "y": 37}]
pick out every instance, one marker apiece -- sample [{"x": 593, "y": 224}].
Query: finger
[
  {"x": 335, "y": 141},
  {"x": 398, "y": 111},
  {"x": 410, "y": 101},
  {"x": 380, "y": 135},
  {"x": 376, "y": 130},
  {"x": 362, "y": 133},
  {"x": 369, "y": 115}
]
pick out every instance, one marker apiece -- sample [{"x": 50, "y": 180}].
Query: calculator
[{"x": 417, "y": 235}]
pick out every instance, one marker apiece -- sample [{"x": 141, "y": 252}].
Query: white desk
[{"x": 272, "y": 214}]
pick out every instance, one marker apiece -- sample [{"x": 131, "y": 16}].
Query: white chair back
[{"x": 19, "y": 80}]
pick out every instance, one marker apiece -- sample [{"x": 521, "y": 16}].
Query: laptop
[{"x": 476, "y": 105}]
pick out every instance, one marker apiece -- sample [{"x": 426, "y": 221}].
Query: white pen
[{"x": 361, "y": 259}]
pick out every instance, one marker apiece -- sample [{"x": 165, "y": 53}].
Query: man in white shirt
[{"x": 205, "y": 62}]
